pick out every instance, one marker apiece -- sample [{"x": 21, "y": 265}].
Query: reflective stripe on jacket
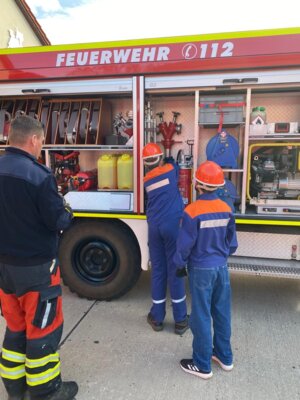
[
  {"x": 163, "y": 196},
  {"x": 207, "y": 235}
]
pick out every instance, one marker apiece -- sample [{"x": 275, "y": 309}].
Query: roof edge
[
  {"x": 33, "y": 22},
  {"x": 154, "y": 41}
]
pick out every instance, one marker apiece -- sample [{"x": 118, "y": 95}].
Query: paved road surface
[{"x": 114, "y": 355}]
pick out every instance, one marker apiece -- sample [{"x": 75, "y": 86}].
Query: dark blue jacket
[
  {"x": 32, "y": 212},
  {"x": 163, "y": 197},
  {"x": 207, "y": 235}
]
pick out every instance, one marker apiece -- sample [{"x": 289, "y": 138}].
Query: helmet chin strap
[
  {"x": 208, "y": 188},
  {"x": 155, "y": 161},
  {"x": 149, "y": 168}
]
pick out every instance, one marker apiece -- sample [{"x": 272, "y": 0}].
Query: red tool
[
  {"x": 168, "y": 131},
  {"x": 65, "y": 165},
  {"x": 84, "y": 180}
]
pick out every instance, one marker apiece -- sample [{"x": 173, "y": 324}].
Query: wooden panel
[
  {"x": 75, "y": 121},
  {"x": 11, "y": 108},
  {"x": 67, "y": 122}
]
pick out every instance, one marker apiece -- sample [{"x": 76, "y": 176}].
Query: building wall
[{"x": 15, "y": 31}]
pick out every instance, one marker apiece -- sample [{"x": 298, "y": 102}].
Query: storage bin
[{"x": 211, "y": 107}]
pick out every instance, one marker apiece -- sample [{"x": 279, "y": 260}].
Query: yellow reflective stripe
[
  {"x": 237, "y": 220},
  {"x": 154, "y": 41},
  {"x": 12, "y": 373},
  {"x": 266, "y": 222},
  {"x": 44, "y": 377},
  {"x": 112, "y": 216},
  {"x": 40, "y": 362},
  {"x": 12, "y": 356}
]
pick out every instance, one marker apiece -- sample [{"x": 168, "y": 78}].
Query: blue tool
[{"x": 223, "y": 149}]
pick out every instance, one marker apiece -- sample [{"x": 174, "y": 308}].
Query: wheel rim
[{"x": 95, "y": 261}]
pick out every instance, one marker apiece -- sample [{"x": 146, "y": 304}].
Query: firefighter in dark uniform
[
  {"x": 32, "y": 214},
  {"x": 164, "y": 210}
]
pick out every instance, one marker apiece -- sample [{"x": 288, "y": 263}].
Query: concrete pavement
[{"x": 110, "y": 350}]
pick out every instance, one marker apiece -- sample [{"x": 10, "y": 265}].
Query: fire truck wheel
[{"x": 99, "y": 259}]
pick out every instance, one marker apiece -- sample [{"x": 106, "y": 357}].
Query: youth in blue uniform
[
  {"x": 164, "y": 209},
  {"x": 206, "y": 238}
]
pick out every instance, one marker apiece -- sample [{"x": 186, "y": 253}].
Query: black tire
[{"x": 99, "y": 259}]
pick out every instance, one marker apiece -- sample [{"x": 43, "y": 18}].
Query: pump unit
[{"x": 274, "y": 177}]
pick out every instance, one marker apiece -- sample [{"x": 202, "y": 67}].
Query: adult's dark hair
[{"x": 23, "y": 127}]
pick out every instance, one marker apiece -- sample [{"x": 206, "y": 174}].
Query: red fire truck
[{"x": 233, "y": 98}]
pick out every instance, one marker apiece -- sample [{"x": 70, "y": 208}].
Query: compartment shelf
[
  {"x": 274, "y": 138},
  {"x": 232, "y": 170}
]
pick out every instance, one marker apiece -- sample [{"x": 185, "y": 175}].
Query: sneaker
[
  {"x": 67, "y": 391},
  {"x": 181, "y": 327},
  {"x": 191, "y": 368},
  {"x": 223, "y": 366},
  {"x": 156, "y": 326}
]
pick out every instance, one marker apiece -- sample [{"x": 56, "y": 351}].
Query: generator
[{"x": 274, "y": 177}]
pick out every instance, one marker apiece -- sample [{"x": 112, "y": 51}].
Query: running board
[{"x": 265, "y": 267}]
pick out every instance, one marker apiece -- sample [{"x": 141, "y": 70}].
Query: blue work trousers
[
  {"x": 162, "y": 246},
  {"x": 211, "y": 302}
]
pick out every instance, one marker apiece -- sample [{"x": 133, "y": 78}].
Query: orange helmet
[
  {"x": 151, "y": 153},
  {"x": 210, "y": 176}
]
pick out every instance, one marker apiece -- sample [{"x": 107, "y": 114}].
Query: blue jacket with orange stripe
[
  {"x": 207, "y": 235},
  {"x": 163, "y": 196}
]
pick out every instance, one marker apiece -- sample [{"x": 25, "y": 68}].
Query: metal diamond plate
[{"x": 267, "y": 245}]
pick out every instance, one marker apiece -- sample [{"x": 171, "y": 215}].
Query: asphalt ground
[{"x": 113, "y": 354}]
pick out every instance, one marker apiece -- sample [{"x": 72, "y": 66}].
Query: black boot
[
  {"x": 21, "y": 396},
  {"x": 67, "y": 391},
  {"x": 16, "y": 397}
]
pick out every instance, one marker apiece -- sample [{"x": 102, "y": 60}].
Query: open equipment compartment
[{"x": 273, "y": 179}]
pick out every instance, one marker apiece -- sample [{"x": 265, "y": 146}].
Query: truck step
[{"x": 265, "y": 267}]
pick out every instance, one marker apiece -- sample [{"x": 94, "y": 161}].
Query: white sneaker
[{"x": 223, "y": 366}]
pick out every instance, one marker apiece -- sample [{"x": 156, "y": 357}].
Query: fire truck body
[{"x": 233, "y": 98}]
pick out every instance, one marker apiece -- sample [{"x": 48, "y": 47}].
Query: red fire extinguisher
[
  {"x": 185, "y": 177},
  {"x": 185, "y": 183}
]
